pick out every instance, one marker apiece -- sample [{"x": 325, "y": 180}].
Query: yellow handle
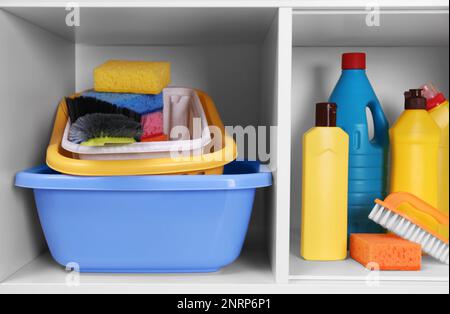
[
  {"x": 419, "y": 213},
  {"x": 395, "y": 200}
]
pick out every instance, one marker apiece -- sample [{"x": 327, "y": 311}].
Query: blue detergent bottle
[{"x": 368, "y": 156}]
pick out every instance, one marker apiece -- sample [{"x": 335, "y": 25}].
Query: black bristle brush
[
  {"x": 99, "y": 129},
  {"x": 81, "y": 106}
]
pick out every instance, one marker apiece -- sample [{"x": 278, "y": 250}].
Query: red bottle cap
[
  {"x": 434, "y": 97},
  {"x": 436, "y": 101},
  {"x": 354, "y": 61}
]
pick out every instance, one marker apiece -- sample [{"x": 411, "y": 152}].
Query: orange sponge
[{"x": 386, "y": 251}]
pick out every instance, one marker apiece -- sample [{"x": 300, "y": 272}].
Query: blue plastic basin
[{"x": 146, "y": 224}]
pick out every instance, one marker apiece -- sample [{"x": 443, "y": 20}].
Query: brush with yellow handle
[{"x": 413, "y": 219}]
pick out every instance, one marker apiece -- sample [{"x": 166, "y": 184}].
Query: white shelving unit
[{"x": 264, "y": 63}]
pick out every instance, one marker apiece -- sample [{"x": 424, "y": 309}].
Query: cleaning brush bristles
[
  {"x": 82, "y": 106},
  {"x": 412, "y": 219},
  {"x": 105, "y": 129}
]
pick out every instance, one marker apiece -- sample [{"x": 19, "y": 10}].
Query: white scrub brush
[{"x": 413, "y": 219}]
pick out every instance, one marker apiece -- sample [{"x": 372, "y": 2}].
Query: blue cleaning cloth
[{"x": 142, "y": 104}]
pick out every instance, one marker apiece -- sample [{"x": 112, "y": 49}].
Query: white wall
[
  {"x": 391, "y": 70},
  {"x": 36, "y": 70}
]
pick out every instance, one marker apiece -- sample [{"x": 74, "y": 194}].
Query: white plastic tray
[{"x": 181, "y": 107}]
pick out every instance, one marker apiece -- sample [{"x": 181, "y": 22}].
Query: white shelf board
[
  {"x": 44, "y": 274},
  {"x": 244, "y": 277},
  {"x": 230, "y": 3},
  {"x": 154, "y": 26},
  {"x": 350, "y": 270},
  {"x": 341, "y": 28}
]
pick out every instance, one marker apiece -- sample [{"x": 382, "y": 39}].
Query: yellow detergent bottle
[
  {"x": 415, "y": 142},
  {"x": 325, "y": 188},
  {"x": 439, "y": 111}
]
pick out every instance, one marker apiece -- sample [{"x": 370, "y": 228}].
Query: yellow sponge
[{"x": 132, "y": 77}]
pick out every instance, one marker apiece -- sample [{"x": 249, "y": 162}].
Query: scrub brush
[
  {"x": 413, "y": 219},
  {"x": 104, "y": 129},
  {"x": 81, "y": 106}
]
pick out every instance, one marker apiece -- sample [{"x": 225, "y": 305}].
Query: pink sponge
[{"x": 153, "y": 124}]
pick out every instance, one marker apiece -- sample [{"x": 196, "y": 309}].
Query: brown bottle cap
[
  {"x": 414, "y": 100},
  {"x": 326, "y": 114}
]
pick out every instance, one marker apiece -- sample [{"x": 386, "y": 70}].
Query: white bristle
[
  {"x": 422, "y": 235},
  {"x": 427, "y": 239},
  {"x": 416, "y": 234},
  {"x": 375, "y": 211},
  {"x": 379, "y": 214},
  {"x": 401, "y": 227},
  {"x": 445, "y": 256},
  {"x": 406, "y": 227},
  {"x": 411, "y": 232},
  {"x": 386, "y": 216},
  {"x": 394, "y": 222},
  {"x": 430, "y": 244},
  {"x": 440, "y": 249}
]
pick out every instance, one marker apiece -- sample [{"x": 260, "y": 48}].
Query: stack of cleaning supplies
[
  {"x": 129, "y": 216},
  {"x": 416, "y": 212},
  {"x": 144, "y": 82},
  {"x": 132, "y": 123},
  {"x": 106, "y": 124},
  {"x": 125, "y": 107},
  {"x": 183, "y": 118}
]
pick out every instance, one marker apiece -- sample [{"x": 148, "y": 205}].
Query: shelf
[
  {"x": 434, "y": 274},
  {"x": 239, "y": 51},
  {"x": 344, "y": 26},
  {"x": 44, "y": 274},
  {"x": 154, "y": 26},
  {"x": 249, "y": 275},
  {"x": 230, "y": 3},
  {"x": 347, "y": 28},
  {"x": 350, "y": 270}
]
